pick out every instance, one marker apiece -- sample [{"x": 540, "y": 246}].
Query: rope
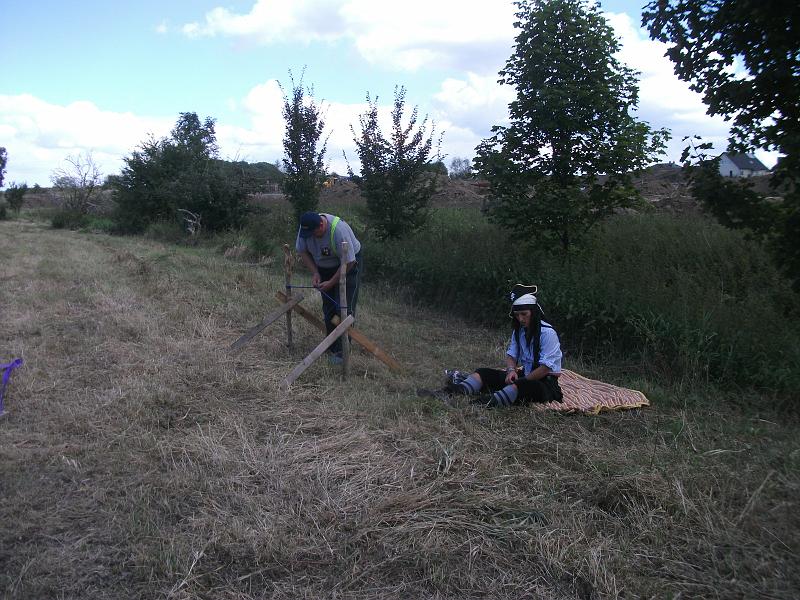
[{"x": 311, "y": 287}]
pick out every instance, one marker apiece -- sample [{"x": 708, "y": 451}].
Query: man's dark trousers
[{"x": 330, "y": 299}]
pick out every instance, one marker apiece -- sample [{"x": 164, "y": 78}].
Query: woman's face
[{"x": 523, "y": 316}]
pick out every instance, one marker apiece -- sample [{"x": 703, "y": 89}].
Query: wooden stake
[
  {"x": 355, "y": 334},
  {"x": 343, "y": 309},
  {"x": 341, "y": 329},
  {"x": 271, "y": 318},
  {"x": 287, "y": 272}
]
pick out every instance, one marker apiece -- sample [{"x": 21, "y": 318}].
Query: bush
[
  {"x": 179, "y": 172},
  {"x": 68, "y": 219},
  {"x": 15, "y": 196},
  {"x": 3, "y": 211}
]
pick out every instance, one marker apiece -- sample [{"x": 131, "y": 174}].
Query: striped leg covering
[
  {"x": 505, "y": 397},
  {"x": 469, "y": 386}
]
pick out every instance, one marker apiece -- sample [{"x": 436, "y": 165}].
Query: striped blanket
[{"x": 590, "y": 396}]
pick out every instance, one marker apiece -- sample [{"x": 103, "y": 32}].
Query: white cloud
[
  {"x": 38, "y": 136},
  {"x": 273, "y": 21},
  {"x": 473, "y": 34},
  {"x": 664, "y": 100},
  {"x": 475, "y": 103}
]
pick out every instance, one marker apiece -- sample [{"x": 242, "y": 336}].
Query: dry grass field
[{"x": 139, "y": 459}]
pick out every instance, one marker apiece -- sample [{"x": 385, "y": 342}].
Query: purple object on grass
[{"x": 6, "y": 376}]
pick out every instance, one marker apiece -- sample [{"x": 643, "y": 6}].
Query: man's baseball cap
[{"x": 309, "y": 222}]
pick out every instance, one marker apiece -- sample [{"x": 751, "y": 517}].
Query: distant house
[{"x": 733, "y": 164}]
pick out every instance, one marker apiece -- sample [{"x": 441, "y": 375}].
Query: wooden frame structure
[{"x": 344, "y": 324}]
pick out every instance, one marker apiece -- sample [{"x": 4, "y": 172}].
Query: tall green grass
[{"x": 677, "y": 298}]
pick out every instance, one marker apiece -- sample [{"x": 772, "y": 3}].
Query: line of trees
[{"x": 562, "y": 164}]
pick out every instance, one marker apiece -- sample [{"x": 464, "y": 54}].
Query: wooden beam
[
  {"x": 355, "y": 335},
  {"x": 341, "y": 329},
  {"x": 343, "y": 309},
  {"x": 288, "y": 263},
  {"x": 271, "y": 318}
]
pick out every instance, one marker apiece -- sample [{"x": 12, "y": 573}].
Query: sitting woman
[{"x": 533, "y": 360}]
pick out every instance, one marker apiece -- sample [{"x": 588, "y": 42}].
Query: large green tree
[
  {"x": 743, "y": 56},
  {"x": 565, "y": 160},
  {"x": 304, "y": 148},
  {"x": 164, "y": 179},
  {"x": 399, "y": 173}
]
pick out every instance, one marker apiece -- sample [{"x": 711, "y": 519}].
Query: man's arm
[
  {"x": 308, "y": 261},
  {"x": 333, "y": 281}
]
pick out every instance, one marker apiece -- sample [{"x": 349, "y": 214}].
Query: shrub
[
  {"x": 3, "y": 211},
  {"x": 15, "y": 196},
  {"x": 66, "y": 218},
  {"x": 179, "y": 172}
]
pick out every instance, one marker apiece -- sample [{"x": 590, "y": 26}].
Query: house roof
[{"x": 745, "y": 161}]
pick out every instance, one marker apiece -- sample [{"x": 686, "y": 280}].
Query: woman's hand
[{"x": 511, "y": 377}]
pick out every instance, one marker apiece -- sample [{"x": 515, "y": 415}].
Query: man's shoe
[{"x": 335, "y": 359}]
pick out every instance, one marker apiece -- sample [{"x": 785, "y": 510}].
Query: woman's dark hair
[{"x": 532, "y": 332}]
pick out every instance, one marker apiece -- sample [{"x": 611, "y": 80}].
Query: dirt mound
[{"x": 662, "y": 185}]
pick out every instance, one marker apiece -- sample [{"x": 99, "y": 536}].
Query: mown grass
[{"x": 140, "y": 459}]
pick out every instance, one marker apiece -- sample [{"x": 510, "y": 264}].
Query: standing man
[{"x": 319, "y": 241}]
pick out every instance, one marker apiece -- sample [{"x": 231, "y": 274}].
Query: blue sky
[{"x": 100, "y": 77}]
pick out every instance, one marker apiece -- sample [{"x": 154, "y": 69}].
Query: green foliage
[
  {"x": 710, "y": 43},
  {"x": 255, "y": 177},
  {"x": 3, "y": 162},
  {"x": 99, "y": 224},
  {"x": 396, "y": 177},
  {"x": 732, "y": 201},
  {"x": 304, "y": 163},
  {"x": 265, "y": 234},
  {"x": 68, "y": 218},
  {"x": 177, "y": 173},
  {"x": 570, "y": 125},
  {"x": 437, "y": 168},
  {"x": 3, "y": 211},
  {"x": 691, "y": 299},
  {"x": 15, "y": 196},
  {"x": 735, "y": 204}
]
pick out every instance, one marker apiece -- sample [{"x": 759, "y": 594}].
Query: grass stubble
[{"x": 139, "y": 459}]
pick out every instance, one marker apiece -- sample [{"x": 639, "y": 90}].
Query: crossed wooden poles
[{"x": 291, "y": 303}]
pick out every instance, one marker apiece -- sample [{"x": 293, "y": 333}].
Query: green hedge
[{"x": 686, "y": 298}]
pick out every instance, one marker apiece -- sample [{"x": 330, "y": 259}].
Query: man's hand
[
  {"x": 511, "y": 377},
  {"x": 316, "y": 279},
  {"x": 326, "y": 286}
]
